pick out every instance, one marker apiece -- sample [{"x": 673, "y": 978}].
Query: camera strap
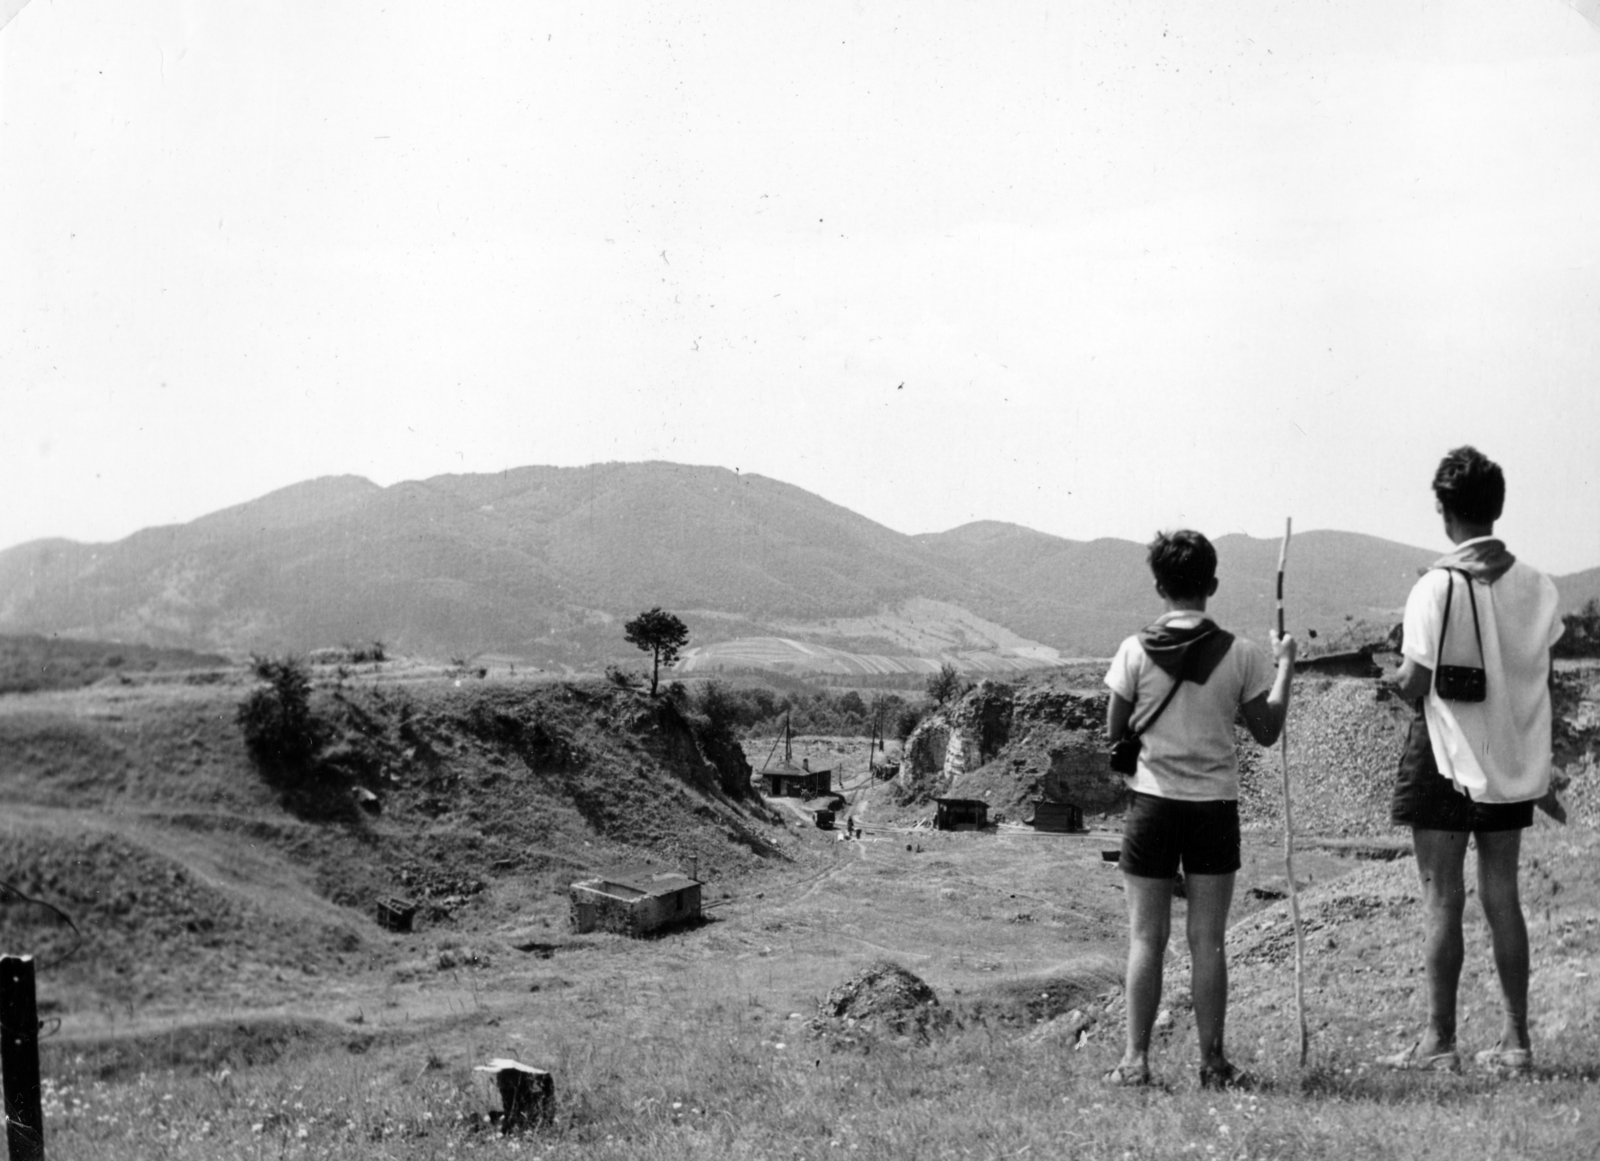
[{"x": 1444, "y": 626}]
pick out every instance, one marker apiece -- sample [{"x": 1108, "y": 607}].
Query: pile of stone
[
  {"x": 1345, "y": 738},
  {"x": 882, "y": 999}
]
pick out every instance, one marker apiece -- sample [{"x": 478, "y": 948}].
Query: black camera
[
  {"x": 1461, "y": 683},
  {"x": 1125, "y": 754}
]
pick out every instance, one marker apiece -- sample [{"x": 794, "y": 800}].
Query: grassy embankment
[{"x": 690, "y": 1045}]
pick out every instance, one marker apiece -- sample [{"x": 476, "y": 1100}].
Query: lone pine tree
[{"x": 659, "y": 634}]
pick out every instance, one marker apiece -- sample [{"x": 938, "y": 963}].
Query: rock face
[
  {"x": 1011, "y": 747},
  {"x": 1068, "y": 726},
  {"x": 1080, "y": 774},
  {"x": 733, "y": 768},
  {"x": 955, "y": 739},
  {"x": 922, "y": 761}
]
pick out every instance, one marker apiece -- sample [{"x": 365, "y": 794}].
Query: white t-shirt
[
  {"x": 1498, "y": 750},
  {"x": 1190, "y": 752}
]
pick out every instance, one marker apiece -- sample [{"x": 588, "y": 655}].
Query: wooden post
[{"x": 19, "y": 1058}]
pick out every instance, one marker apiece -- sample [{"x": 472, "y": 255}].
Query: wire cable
[{"x": 9, "y": 895}]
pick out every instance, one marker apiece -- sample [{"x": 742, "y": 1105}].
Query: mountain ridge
[{"x": 540, "y": 563}]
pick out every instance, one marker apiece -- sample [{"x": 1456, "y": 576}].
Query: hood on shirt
[
  {"x": 1486, "y": 560},
  {"x": 1190, "y": 652}
]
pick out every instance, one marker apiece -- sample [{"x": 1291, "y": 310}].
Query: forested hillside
[{"x": 541, "y": 564}]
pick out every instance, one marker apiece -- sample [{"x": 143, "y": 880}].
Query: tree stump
[{"x": 527, "y": 1094}]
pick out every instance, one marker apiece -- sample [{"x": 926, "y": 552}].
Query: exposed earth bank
[{"x": 1013, "y": 744}]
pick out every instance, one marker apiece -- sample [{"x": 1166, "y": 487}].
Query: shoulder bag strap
[{"x": 1151, "y": 720}]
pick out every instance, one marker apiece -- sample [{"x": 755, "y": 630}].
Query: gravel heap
[
  {"x": 1577, "y": 743},
  {"x": 1379, "y": 888},
  {"x": 1345, "y": 738}
]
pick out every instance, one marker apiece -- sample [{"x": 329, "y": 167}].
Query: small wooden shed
[
  {"x": 1060, "y": 817},
  {"x": 634, "y": 901},
  {"x": 786, "y": 780},
  {"x": 960, "y": 814}
]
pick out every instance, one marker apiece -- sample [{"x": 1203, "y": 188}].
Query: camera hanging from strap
[{"x": 1466, "y": 683}]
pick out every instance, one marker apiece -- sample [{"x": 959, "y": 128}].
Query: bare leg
[
  {"x": 1498, "y": 853},
  {"x": 1210, "y": 896},
  {"x": 1441, "y": 859},
  {"x": 1149, "y": 924}
]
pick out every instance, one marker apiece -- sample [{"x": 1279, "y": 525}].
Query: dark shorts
[
  {"x": 1425, "y": 799},
  {"x": 1160, "y": 833}
]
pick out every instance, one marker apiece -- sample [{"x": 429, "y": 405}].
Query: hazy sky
[{"x": 1093, "y": 267}]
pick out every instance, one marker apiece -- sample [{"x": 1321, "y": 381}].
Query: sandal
[
  {"x": 1227, "y": 1076},
  {"x": 1412, "y": 1060},
  {"x": 1127, "y": 1076},
  {"x": 1511, "y": 1061}
]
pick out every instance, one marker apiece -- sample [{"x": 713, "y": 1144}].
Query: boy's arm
[
  {"x": 1420, "y": 629},
  {"x": 1118, "y": 710},
  {"x": 1266, "y": 713},
  {"x": 1122, "y": 675}
]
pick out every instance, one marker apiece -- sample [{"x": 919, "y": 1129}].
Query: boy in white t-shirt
[
  {"x": 1475, "y": 768},
  {"x": 1180, "y": 683}
]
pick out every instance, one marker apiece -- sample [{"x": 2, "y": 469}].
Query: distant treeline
[
  {"x": 761, "y": 711},
  {"x": 779, "y": 679},
  {"x": 1582, "y": 638}
]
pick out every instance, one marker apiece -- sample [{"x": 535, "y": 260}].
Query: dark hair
[
  {"x": 1470, "y": 486},
  {"x": 1184, "y": 564}
]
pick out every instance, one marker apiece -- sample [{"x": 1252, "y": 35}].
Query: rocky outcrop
[
  {"x": 1058, "y": 735},
  {"x": 1010, "y": 747},
  {"x": 727, "y": 756},
  {"x": 955, "y": 739},
  {"x": 935, "y": 753}
]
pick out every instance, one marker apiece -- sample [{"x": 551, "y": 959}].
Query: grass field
[{"x": 292, "y": 1027}]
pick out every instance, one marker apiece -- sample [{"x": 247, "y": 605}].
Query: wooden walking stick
[{"x": 1288, "y": 837}]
